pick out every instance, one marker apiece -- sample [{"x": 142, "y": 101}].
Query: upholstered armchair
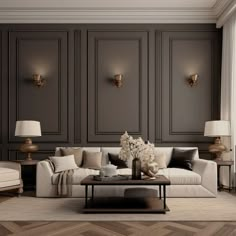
[{"x": 10, "y": 176}]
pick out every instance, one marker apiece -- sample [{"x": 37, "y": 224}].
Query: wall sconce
[
  {"x": 38, "y": 80},
  {"x": 192, "y": 80},
  {"x": 118, "y": 80}
]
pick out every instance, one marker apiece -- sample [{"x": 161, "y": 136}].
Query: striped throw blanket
[{"x": 64, "y": 184}]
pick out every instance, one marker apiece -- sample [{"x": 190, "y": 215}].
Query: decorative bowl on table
[{"x": 109, "y": 170}]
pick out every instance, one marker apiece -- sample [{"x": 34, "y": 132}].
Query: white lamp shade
[
  {"x": 217, "y": 128},
  {"x": 28, "y": 128}
]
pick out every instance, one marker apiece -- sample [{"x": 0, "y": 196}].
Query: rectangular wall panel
[
  {"x": 184, "y": 109},
  {"x": 42, "y": 53},
  {"x": 113, "y": 110}
]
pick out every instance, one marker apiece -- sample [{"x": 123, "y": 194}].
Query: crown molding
[
  {"x": 220, "y": 6},
  {"x": 109, "y": 16},
  {"x": 226, "y": 14},
  {"x": 112, "y": 11}
]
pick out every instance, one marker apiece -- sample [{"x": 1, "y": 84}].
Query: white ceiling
[{"x": 115, "y": 11}]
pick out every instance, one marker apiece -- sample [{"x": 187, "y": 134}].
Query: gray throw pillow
[
  {"x": 77, "y": 152},
  {"x": 92, "y": 160}
]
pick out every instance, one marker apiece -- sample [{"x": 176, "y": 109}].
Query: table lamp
[
  {"x": 28, "y": 129},
  {"x": 217, "y": 128}
]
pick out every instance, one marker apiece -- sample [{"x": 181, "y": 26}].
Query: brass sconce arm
[{"x": 38, "y": 80}]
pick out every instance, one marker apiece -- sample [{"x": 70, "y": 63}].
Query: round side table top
[
  {"x": 224, "y": 163},
  {"x": 27, "y": 163}
]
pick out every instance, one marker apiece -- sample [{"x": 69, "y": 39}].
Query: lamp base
[
  {"x": 217, "y": 148},
  {"x": 28, "y": 147}
]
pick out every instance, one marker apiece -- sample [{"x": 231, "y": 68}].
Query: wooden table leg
[
  {"x": 86, "y": 196},
  {"x": 92, "y": 192},
  {"x": 159, "y": 191},
  {"x": 218, "y": 178},
  {"x": 164, "y": 188}
]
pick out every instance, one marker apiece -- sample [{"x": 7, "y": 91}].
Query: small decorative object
[
  {"x": 193, "y": 79},
  {"x": 27, "y": 129},
  {"x": 109, "y": 170},
  {"x": 118, "y": 80},
  {"x": 38, "y": 80},
  {"x": 136, "y": 168},
  {"x": 101, "y": 173},
  {"x": 217, "y": 128},
  {"x": 137, "y": 149},
  {"x": 150, "y": 169}
]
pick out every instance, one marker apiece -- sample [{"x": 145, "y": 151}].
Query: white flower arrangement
[{"x": 136, "y": 148}]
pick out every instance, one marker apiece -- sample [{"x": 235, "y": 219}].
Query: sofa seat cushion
[
  {"x": 179, "y": 176},
  {"x": 81, "y": 173},
  {"x": 7, "y": 174},
  {"x": 175, "y": 175}
]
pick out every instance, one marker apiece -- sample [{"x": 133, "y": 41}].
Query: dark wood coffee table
[{"x": 123, "y": 204}]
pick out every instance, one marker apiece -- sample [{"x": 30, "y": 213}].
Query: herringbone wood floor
[
  {"x": 117, "y": 228},
  {"x": 144, "y": 228}
]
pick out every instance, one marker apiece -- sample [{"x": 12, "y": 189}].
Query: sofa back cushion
[
  {"x": 88, "y": 149},
  {"x": 77, "y": 152},
  {"x": 168, "y": 152},
  {"x": 115, "y": 150}
]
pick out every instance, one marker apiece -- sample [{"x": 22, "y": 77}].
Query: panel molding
[
  {"x": 105, "y": 136},
  {"x": 158, "y": 86},
  {"x": 211, "y": 37},
  {"x": 15, "y": 37},
  {"x": 77, "y": 87},
  {"x": 97, "y": 132},
  {"x": 171, "y": 41}
]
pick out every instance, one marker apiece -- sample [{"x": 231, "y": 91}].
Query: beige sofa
[{"x": 201, "y": 182}]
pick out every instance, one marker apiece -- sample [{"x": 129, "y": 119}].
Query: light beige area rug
[{"x": 222, "y": 208}]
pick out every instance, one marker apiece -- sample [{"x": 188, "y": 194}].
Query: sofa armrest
[
  {"x": 44, "y": 179},
  {"x": 45, "y": 167},
  {"x": 208, "y": 172},
  {"x": 11, "y": 165}
]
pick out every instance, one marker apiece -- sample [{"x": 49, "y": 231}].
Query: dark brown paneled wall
[{"x": 80, "y": 106}]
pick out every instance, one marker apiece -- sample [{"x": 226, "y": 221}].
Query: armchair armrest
[
  {"x": 11, "y": 165},
  {"x": 208, "y": 172}
]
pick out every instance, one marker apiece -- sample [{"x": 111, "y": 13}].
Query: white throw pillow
[
  {"x": 64, "y": 163},
  {"x": 160, "y": 159}
]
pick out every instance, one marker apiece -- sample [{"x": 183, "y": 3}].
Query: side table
[
  {"x": 28, "y": 172},
  {"x": 223, "y": 163}
]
